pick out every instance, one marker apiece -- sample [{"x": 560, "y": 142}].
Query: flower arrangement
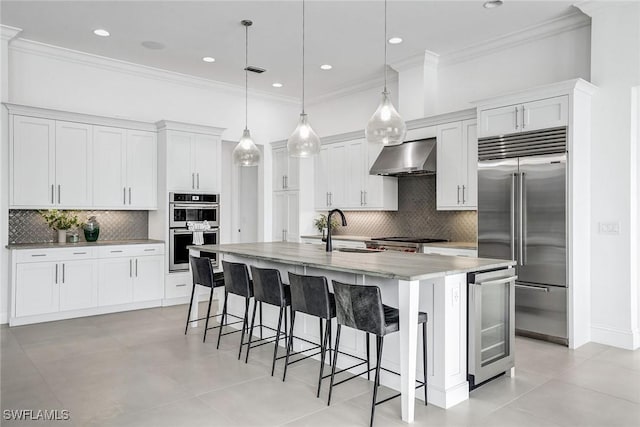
[
  {"x": 321, "y": 223},
  {"x": 60, "y": 220}
]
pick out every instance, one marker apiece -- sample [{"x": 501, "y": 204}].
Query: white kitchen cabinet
[
  {"x": 525, "y": 116},
  {"x": 286, "y": 216},
  {"x": 125, "y": 279},
  {"x": 457, "y": 159},
  {"x": 37, "y": 292},
  {"x": 125, "y": 168},
  {"x": 115, "y": 285},
  {"x": 78, "y": 284},
  {"x": 51, "y": 164},
  {"x": 331, "y": 177},
  {"x": 148, "y": 281},
  {"x": 286, "y": 170},
  {"x": 193, "y": 161}
]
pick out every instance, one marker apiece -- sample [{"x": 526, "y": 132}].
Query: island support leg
[{"x": 409, "y": 292}]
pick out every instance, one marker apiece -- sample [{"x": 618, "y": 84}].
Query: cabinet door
[
  {"x": 279, "y": 169},
  {"x": 500, "y": 121},
  {"x": 78, "y": 284},
  {"x": 355, "y": 174},
  {"x": 449, "y": 158},
  {"x": 280, "y": 213},
  {"x": 374, "y": 184},
  {"x": 74, "y": 144},
  {"x": 115, "y": 283},
  {"x": 321, "y": 179},
  {"x": 292, "y": 233},
  {"x": 293, "y": 172},
  {"x": 545, "y": 113},
  {"x": 148, "y": 283},
  {"x": 180, "y": 174},
  {"x": 470, "y": 163},
  {"x": 33, "y": 155},
  {"x": 141, "y": 164},
  {"x": 109, "y": 152},
  {"x": 207, "y": 166},
  {"x": 36, "y": 288},
  {"x": 337, "y": 175}
]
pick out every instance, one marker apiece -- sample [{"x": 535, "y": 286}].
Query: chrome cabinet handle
[
  {"x": 56, "y": 274},
  {"x": 283, "y": 182},
  {"x": 365, "y": 198},
  {"x": 498, "y": 281},
  {"x": 361, "y": 198},
  {"x": 198, "y": 180},
  {"x": 327, "y": 198},
  {"x": 463, "y": 200},
  {"x": 115, "y": 252},
  {"x": 283, "y": 234},
  {"x": 532, "y": 287},
  {"x": 136, "y": 267},
  {"x": 523, "y": 120},
  {"x": 193, "y": 177},
  {"x": 63, "y": 273},
  {"x": 79, "y": 253},
  {"x": 124, "y": 195},
  {"x": 130, "y": 268},
  {"x": 59, "y": 198},
  {"x": 52, "y": 191},
  {"x": 458, "y": 194},
  {"x": 181, "y": 285},
  {"x": 39, "y": 255},
  {"x": 129, "y": 195},
  {"x": 516, "y": 117}
]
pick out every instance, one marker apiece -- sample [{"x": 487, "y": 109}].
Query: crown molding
[
  {"x": 353, "y": 88},
  {"x": 592, "y": 8},
  {"x": 537, "y": 32},
  {"x": 110, "y": 64},
  {"x": 164, "y": 125},
  {"x": 7, "y": 32},
  {"x": 426, "y": 58},
  {"x": 545, "y": 91}
]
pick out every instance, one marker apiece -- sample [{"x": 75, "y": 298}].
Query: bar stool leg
[
  {"x": 424, "y": 359},
  {"x": 206, "y": 322},
  {"x": 335, "y": 359},
  {"x": 286, "y": 328},
  {"x": 245, "y": 322},
  {"x": 186, "y": 327},
  {"x": 328, "y": 321},
  {"x": 289, "y": 345},
  {"x": 224, "y": 317},
  {"x": 323, "y": 352},
  {"x": 275, "y": 347},
  {"x": 260, "y": 319},
  {"x": 376, "y": 384},
  {"x": 368, "y": 363},
  {"x": 253, "y": 320}
]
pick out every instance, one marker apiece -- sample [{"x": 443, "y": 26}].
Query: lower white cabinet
[
  {"x": 286, "y": 216},
  {"x": 53, "y": 284}
]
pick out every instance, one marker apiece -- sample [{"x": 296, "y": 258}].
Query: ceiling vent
[{"x": 256, "y": 70}]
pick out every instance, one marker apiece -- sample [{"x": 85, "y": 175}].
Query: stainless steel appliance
[
  {"x": 191, "y": 207},
  {"x": 522, "y": 216},
  {"x": 409, "y": 158},
  {"x": 491, "y": 325},
  {"x": 402, "y": 244}
]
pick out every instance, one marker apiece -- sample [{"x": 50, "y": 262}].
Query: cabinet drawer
[
  {"x": 131, "y": 250},
  {"x": 66, "y": 254},
  {"x": 178, "y": 285}
]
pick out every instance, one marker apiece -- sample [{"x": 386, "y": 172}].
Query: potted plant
[
  {"x": 61, "y": 221},
  {"x": 321, "y": 224}
]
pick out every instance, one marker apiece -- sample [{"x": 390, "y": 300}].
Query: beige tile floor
[{"x": 138, "y": 369}]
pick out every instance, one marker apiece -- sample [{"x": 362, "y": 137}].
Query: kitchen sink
[{"x": 359, "y": 250}]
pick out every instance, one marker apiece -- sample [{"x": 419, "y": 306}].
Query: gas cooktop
[{"x": 409, "y": 239}]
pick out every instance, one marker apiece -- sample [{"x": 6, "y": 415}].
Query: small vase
[
  {"x": 91, "y": 229},
  {"x": 62, "y": 236}
]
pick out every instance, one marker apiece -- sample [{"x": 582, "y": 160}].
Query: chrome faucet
[{"x": 329, "y": 247}]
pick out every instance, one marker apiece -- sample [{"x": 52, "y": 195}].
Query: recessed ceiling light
[
  {"x": 326, "y": 67},
  {"x": 102, "y": 33},
  {"x": 150, "y": 44},
  {"x": 492, "y": 3},
  {"x": 395, "y": 40},
  {"x": 276, "y": 84},
  {"x": 209, "y": 59}
]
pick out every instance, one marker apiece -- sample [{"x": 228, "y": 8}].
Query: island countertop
[{"x": 391, "y": 264}]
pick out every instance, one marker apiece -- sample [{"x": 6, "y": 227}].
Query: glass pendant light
[
  {"x": 386, "y": 127},
  {"x": 246, "y": 152},
  {"x": 303, "y": 142}
]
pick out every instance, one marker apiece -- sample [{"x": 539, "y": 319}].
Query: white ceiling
[{"x": 345, "y": 34}]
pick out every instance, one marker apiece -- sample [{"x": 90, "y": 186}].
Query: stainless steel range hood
[{"x": 409, "y": 158}]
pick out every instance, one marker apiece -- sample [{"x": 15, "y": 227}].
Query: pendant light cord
[
  {"x": 385, "y": 46},
  {"x": 246, "y": 76},
  {"x": 303, "y": 5}
]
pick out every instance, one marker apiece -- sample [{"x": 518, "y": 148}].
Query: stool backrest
[
  {"x": 359, "y": 307},
  {"x": 267, "y": 286},
  {"x": 310, "y": 295},
  {"x": 236, "y": 279},
  {"x": 201, "y": 271}
]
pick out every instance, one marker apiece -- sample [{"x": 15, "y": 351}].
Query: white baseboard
[
  {"x": 4, "y": 318},
  {"x": 627, "y": 339},
  {"x": 175, "y": 301}
]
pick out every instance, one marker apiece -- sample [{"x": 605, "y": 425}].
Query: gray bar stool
[{"x": 360, "y": 307}]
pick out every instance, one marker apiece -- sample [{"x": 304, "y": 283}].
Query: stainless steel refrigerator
[{"x": 522, "y": 216}]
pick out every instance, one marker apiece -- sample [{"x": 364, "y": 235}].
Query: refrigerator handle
[
  {"x": 522, "y": 219},
  {"x": 513, "y": 216}
]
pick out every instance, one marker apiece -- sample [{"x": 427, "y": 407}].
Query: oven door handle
[{"x": 195, "y": 206}]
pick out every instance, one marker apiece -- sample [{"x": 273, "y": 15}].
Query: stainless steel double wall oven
[{"x": 191, "y": 207}]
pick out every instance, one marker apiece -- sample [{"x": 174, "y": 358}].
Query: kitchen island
[{"x": 435, "y": 284}]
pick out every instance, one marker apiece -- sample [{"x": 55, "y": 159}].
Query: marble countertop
[
  {"x": 391, "y": 264},
  {"x": 55, "y": 245},
  {"x": 452, "y": 245}
]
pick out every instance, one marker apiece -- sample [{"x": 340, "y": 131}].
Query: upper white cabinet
[
  {"x": 193, "y": 161},
  {"x": 342, "y": 178},
  {"x": 457, "y": 159},
  {"x": 286, "y": 170},
  {"x": 75, "y": 161},
  {"x": 525, "y": 116},
  {"x": 51, "y": 163},
  {"x": 125, "y": 168}
]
